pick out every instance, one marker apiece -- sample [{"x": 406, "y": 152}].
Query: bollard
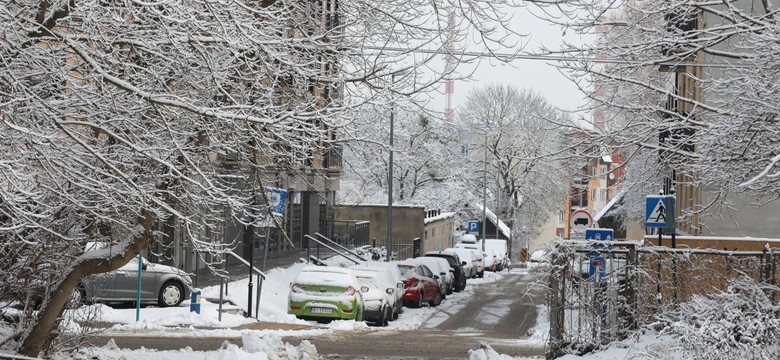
[{"x": 195, "y": 301}]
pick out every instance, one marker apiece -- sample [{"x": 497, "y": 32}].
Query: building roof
[
  {"x": 441, "y": 216},
  {"x": 492, "y": 218},
  {"x": 609, "y": 205}
]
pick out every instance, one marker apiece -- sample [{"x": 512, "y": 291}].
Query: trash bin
[{"x": 195, "y": 301}]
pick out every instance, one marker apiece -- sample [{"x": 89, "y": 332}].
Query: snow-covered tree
[
  {"x": 423, "y": 156},
  {"x": 515, "y": 131},
  {"x": 118, "y": 117},
  {"x": 692, "y": 82}
]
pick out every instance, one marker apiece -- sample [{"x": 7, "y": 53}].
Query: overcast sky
[{"x": 537, "y": 75}]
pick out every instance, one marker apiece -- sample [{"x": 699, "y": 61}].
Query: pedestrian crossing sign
[{"x": 660, "y": 211}]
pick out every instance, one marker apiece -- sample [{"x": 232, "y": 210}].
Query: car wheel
[
  {"x": 449, "y": 289},
  {"x": 481, "y": 274},
  {"x": 385, "y": 318},
  {"x": 396, "y": 312},
  {"x": 171, "y": 294},
  {"x": 359, "y": 316},
  {"x": 436, "y": 300},
  {"x": 76, "y": 298},
  {"x": 419, "y": 300}
]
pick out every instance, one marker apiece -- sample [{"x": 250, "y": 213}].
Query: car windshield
[
  {"x": 404, "y": 269},
  {"x": 410, "y": 273},
  {"x": 450, "y": 260}
]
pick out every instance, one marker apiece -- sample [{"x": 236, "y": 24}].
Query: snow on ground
[
  {"x": 258, "y": 344},
  {"x": 268, "y": 344}
]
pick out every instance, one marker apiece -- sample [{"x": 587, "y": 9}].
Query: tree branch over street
[{"x": 118, "y": 117}]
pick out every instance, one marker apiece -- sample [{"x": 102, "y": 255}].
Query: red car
[{"x": 420, "y": 285}]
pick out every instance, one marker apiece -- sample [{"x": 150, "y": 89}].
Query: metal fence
[
  {"x": 350, "y": 233},
  {"x": 601, "y": 291}
]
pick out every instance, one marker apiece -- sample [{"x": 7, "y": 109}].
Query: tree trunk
[{"x": 43, "y": 330}]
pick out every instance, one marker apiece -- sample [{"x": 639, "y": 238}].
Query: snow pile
[
  {"x": 273, "y": 346},
  {"x": 256, "y": 347},
  {"x": 485, "y": 352}
]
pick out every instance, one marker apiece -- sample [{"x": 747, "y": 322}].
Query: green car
[{"x": 325, "y": 293}]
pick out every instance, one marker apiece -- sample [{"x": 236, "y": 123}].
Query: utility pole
[
  {"x": 484, "y": 195},
  {"x": 390, "y": 184},
  {"x": 498, "y": 202}
]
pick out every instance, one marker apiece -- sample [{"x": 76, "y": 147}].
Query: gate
[
  {"x": 350, "y": 232},
  {"x": 403, "y": 250},
  {"x": 600, "y": 291}
]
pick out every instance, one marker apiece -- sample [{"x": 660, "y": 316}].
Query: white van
[{"x": 499, "y": 246}]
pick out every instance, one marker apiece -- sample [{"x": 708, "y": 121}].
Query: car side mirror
[
  {"x": 443, "y": 273},
  {"x": 399, "y": 285},
  {"x": 390, "y": 290},
  {"x": 364, "y": 289},
  {"x": 463, "y": 263},
  {"x": 436, "y": 277}
]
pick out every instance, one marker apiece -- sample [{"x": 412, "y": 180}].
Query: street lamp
[
  {"x": 389, "y": 244},
  {"x": 498, "y": 202},
  {"x": 484, "y": 196},
  {"x": 487, "y": 128}
]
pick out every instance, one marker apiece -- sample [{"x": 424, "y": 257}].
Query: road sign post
[
  {"x": 597, "y": 269},
  {"x": 660, "y": 213}
]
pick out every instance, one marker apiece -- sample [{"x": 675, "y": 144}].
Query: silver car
[{"x": 160, "y": 284}]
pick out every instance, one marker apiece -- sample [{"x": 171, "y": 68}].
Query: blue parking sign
[{"x": 473, "y": 226}]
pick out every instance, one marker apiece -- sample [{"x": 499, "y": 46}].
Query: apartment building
[{"x": 740, "y": 218}]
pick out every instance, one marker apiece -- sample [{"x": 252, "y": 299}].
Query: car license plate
[{"x": 317, "y": 310}]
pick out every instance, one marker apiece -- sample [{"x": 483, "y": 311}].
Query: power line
[{"x": 507, "y": 57}]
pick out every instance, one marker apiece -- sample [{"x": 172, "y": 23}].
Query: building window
[{"x": 560, "y": 216}]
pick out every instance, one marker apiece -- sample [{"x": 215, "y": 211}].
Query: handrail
[
  {"x": 260, "y": 275},
  {"x": 243, "y": 261},
  {"x": 332, "y": 249},
  {"x": 341, "y": 247}
]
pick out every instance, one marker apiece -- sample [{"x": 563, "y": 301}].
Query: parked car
[
  {"x": 389, "y": 273},
  {"x": 468, "y": 239},
  {"x": 456, "y": 264},
  {"x": 491, "y": 260},
  {"x": 499, "y": 246},
  {"x": 439, "y": 267},
  {"x": 378, "y": 297},
  {"x": 161, "y": 284},
  {"x": 325, "y": 293},
  {"x": 420, "y": 285},
  {"x": 468, "y": 260},
  {"x": 539, "y": 256},
  {"x": 479, "y": 256}
]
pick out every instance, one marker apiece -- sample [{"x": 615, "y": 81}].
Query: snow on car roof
[{"x": 325, "y": 275}]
